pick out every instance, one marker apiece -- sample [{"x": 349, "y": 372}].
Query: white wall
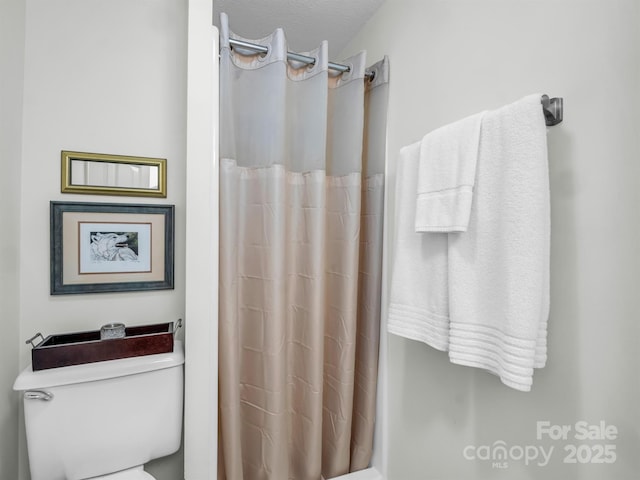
[
  {"x": 201, "y": 303},
  {"x": 450, "y": 59},
  {"x": 104, "y": 77},
  {"x": 11, "y": 68}
]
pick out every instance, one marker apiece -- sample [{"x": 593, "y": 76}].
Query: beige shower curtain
[{"x": 301, "y": 201}]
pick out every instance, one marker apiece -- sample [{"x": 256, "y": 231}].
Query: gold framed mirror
[{"x": 102, "y": 174}]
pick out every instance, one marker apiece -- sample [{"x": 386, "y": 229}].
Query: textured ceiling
[{"x": 306, "y": 22}]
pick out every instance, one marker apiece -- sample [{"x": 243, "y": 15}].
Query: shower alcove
[{"x": 201, "y": 310}]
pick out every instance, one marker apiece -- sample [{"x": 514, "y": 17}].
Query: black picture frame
[{"x": 74, "y": 249}]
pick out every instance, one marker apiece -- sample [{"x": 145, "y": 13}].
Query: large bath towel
[
  {"x": 419, "y": 300},
  {"x": 499, "y": 267},
  {"x": 446, "y": 176}
]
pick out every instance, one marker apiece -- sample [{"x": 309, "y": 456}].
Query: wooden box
[{"x": 86, "y": 347}]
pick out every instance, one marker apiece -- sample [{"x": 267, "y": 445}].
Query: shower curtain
[{"x": 301, "y": 202}]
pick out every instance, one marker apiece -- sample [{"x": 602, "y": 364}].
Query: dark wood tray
[{"x": 86, "y": 347}]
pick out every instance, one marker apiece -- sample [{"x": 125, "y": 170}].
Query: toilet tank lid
[{"x": 90, "y": 372}]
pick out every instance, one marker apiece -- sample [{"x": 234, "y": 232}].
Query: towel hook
[{"x": 553, "y": 109}]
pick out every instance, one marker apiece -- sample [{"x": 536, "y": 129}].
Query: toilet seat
[{"x": 136, "y": 473}]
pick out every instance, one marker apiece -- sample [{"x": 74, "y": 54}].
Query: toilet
[{"x": 103, "y": 420}]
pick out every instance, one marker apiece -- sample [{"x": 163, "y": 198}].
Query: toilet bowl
[
  {"x": 136, "y": 473},
  {"x": 103, "y": 420}
]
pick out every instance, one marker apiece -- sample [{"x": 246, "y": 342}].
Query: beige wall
[
  {"x": 11, "y": 67},
  {"x": 450, "y": 59},
  {"x": 105, "y": 77}
]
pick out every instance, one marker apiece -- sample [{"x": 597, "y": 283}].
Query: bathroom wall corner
[{"x": 12, "y": 34}]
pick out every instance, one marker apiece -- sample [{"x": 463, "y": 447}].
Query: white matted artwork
[{"x": 114, "y": 247}]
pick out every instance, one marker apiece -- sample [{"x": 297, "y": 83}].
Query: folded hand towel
[
  {"x": 419, "y": 302},
  {"x": 499, "y": 267},
  {"x": 446, "y": 175}
]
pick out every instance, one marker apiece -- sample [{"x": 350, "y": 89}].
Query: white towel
[
  {"x": 446, "y": 175},
  {"x": 499, "y": 267},
  {"x": 419, "y": 301}
]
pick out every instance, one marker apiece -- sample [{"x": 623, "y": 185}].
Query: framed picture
[
  {"x": 111, "y": 247},
  {"x": 101, "y": 174}
]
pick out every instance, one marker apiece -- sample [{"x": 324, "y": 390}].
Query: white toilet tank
[{"x": 102, "y": 417}]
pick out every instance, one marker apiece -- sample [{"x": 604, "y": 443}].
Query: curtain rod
[
  {"x": 552, "y": 107},
  {"x": 297, "y": 57}
]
